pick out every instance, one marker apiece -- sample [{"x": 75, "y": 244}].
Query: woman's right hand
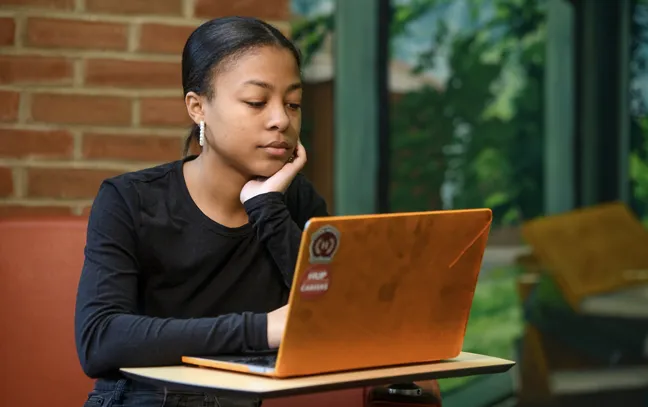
[
  {"x": 276, "y": 326},
  {"x": 280, "y": 181}
]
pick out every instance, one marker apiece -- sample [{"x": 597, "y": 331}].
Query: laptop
[{"x": 373, "y": 291}]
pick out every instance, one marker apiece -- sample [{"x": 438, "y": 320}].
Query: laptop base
[
  {"x": 263, "y": 360},
  {"x": 259, "y": 363}
]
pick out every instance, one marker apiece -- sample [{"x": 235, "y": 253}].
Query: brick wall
[{"x": 91, "y": 89}]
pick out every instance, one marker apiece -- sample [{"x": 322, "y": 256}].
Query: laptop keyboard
[{"x": 264, "y": 361}]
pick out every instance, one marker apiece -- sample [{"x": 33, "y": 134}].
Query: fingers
[
  {"x": 281, "y": 179},
  {"x": 300, "y": 156}
]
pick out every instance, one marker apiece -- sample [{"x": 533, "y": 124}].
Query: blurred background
[{"x": 536, "y": 109}]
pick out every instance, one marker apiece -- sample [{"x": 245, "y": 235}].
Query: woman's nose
[{"x": 278, "y": 118}]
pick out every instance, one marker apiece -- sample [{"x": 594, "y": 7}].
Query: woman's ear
[{"x": 194, "y": 103}]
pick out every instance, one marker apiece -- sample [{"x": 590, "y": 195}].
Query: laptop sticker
[
  {"x": 316, "y": 281},
  {"x": 324, "y": 244}
]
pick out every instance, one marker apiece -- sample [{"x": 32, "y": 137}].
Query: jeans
[{"x": 129, "y": 393}]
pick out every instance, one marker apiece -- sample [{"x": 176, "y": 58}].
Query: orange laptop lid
[{"x": 379, "y": 290}]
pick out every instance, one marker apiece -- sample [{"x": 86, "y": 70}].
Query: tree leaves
[{"x": 479, "y": 139}]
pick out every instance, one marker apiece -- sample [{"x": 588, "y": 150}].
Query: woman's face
[{"x": 254, "y": 119}]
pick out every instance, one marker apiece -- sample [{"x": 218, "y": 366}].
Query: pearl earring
[{"x": 201, "y": 140}]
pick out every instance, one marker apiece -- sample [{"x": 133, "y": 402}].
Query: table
[{"x": 222, "y": 382}]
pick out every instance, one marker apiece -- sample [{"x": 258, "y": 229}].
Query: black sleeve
[
  {"x": 109, "y": 333},
  {"x": 279, "y": 220}
]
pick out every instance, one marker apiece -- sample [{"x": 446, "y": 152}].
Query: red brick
[
  {"x": 35, "y": 143},
  {"x": 81, "y": 109},
  {"x": 7, "y": 31},
  {"x": 263, "y": 9},
  {"x": 68, "y": 33},
  {"x": 50, "y": 4},
  {"x": 156, "y": 7},
  {"x": 163, "y": 38},
  {"x": 133, "y": 74},
  {"x": 131, "y": 147},
  {"x": 16, "y": 211},
  {"x": 9, "y": 102},
  {"x": 164, "y": 112},
  {"x": 6, "y": 182},
  {"x": 71, "y": 183},
  {"x": 35, "y": 69}
]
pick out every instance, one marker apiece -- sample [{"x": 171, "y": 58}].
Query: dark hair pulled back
[{"x": 220, "y": 41}]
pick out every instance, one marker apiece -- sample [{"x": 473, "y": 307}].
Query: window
[
  {"x": 638, "y": 94},
  {"x": 467, "y": 131}
]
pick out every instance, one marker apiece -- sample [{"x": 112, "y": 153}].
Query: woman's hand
[
  {"x": 276, "y": 326},
  {"x": 280, "y": 181}
]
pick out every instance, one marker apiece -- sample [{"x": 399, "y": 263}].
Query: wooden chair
[{"x": 40, "y": 263}]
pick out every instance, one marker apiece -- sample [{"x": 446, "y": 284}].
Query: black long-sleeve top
[{"x": 162, "y": 280}]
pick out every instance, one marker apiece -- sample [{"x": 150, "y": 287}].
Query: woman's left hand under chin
[{"x": 280, "y": 181}]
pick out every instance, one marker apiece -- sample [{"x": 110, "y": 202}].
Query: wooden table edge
[{"x": 139, "y": 374}]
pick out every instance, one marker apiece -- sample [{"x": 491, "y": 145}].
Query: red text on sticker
[{"x": 315, "y": 282}]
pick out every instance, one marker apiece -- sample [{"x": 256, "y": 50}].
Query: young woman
[{"x": 196, "y": 256}]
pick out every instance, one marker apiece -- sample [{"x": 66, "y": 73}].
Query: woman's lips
[
  {"x": 278, "y": 148},
  {"x": 277, "y": 151}
]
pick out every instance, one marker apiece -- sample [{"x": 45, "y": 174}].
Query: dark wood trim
[{"x": 384, "y": 130}]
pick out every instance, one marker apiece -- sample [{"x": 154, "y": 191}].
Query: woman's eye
[
  {"x": 294, "y": 106},
  {"x": 256, "y": 104}
]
